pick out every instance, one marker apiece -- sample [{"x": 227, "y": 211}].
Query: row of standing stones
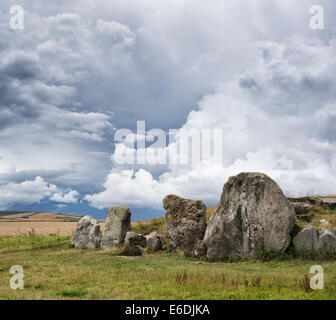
[{"x": 252, "y": 216}]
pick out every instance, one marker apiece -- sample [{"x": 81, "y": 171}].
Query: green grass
[
  {"x": 323, "y": 197},
  {"x": 316, "y": 215},
  {"x": 68, "y": 219},
  {"x": 72, "y": 292},
  {"x": 32, "y": 243},
  {"x": 53, "y": 270}
]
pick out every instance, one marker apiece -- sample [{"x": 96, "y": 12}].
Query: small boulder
[
  {"x": 134, "y": 239},
  {"x": 200, "y": 249},
  {"x": 118, "y": 223},
  {"x": 327, "y": 239},
  {"x": 324, "y": 221},
  {"x": 311, "y": 241},
  {"x": 163, "y": 240},
  {"x": 87, "y": 234},
  {"x": 306, "y": 241},
  {"x": 156, "y": 243},
  {"x": 185, "y": 223},
  {"x": 253, "y": 215}
]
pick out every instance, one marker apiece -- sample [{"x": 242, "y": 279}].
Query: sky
[{"x": 80, "y": 71}]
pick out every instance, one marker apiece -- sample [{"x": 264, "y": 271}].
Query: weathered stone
[
  {"x": 156, "y": 243},
  {"x": 163, "y": 240},
  {"x": 253, "y": 215},
  {"x": 87, "y": 234},
  {"x": 118, "y": 223},
  {"x": 134, "y": 239},
  {"x": 327, "y": 240},
  {"x": 185, "y": 223},
  {"x": 311, "y": 240},
  {"x": 200, "y": 249},
  {"x": 306, "y": 241}
]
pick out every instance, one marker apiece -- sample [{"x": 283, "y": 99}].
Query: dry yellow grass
[
  {"x": 41, "y": 224},
  {"x": 39, "y": 228},
  {"x": 44, "y": 224},
  {"x": 209, "y": 212}
]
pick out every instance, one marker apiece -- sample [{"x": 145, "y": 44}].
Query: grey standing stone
[
  {"x": 118, "y": 223},
  {"x": 307, "y": 240},
  {"x": 253, "y": 215},
  {"x": 87, "y": 234},
  {"x": 185, "y": 223}
]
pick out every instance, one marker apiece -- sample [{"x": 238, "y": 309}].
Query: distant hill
[
  {"x": 24, "y": 216},
  {"x": 11, "y": 212}
]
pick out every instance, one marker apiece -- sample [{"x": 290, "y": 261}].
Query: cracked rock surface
[{"x": 253, "y": 215}]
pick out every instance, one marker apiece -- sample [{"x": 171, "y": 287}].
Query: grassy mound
[{"x": 158, "y": 225}]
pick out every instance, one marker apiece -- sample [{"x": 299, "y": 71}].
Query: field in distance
[
  {"x": 17, "y": 223},
  {"x": 20, "y": 223}
]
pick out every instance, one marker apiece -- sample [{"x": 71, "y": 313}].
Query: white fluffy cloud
[
  {"x": 34, "y": 191},
  {"x": 275, "y": 117},
  {"x": 126, "y": 187},
  {"x": 69, "y": 197}
]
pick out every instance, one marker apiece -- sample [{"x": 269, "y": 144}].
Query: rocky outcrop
[
  {"x": 311, "y": 241},
  {"x": 118, "y": 223},
  {"x": 185, "y": 223},
  {"x": 253, "y": 215},
  {"x": 87, "y": 234},
  {"x": 327, "y": 203},
  {"x": 134, "y": 239},
  {"x": 303, "y": 206}
]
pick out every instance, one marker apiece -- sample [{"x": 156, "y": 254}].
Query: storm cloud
[{"x": 80, "y": 70}]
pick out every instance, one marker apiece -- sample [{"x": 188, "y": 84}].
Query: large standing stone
[
  {"x": 311, "y": 240},
  {"x": 253, "y": 215},
  {"x": 185, "y": 223},
  {"x": 87, "y": 234},
  {"x": 118, "y": 223}
]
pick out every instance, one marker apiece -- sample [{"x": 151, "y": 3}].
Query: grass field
[
  {"x": 54, "y": 270},
  {"x": 40, "y": 223}
]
